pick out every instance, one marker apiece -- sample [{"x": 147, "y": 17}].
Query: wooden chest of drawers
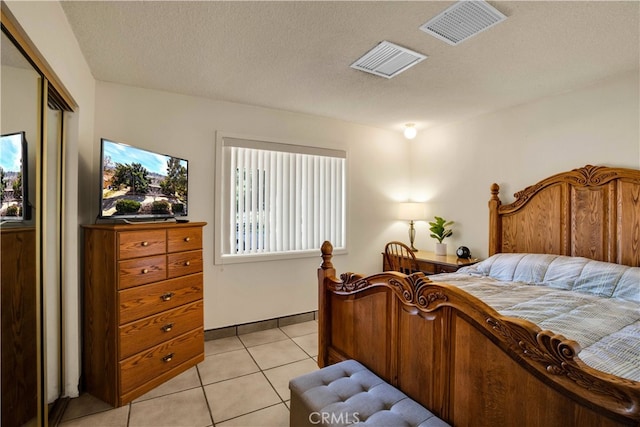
[{"x": 143, "y": 308}]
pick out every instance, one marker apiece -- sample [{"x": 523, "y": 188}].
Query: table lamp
[{"x": 412, "y": 211}]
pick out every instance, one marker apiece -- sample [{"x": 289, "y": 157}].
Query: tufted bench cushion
[{"x": 348, "y": 393}]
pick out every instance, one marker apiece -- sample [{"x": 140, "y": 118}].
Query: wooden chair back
[{"x": 400, "y": 258}]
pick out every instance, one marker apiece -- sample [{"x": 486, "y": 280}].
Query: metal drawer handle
[
  {"x": 145, "y": 243},
  {"x": 187, "y": 263},
  {"x": 168, "y": 357},
  {"x": 167, "y": 327},
  {"x": 186, "y": 239},
  {"x": 167, "y": 296},
  {"x": 145, "y": 270}
]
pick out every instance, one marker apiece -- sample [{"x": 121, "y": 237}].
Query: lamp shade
[{"x": 412, "y": 211}]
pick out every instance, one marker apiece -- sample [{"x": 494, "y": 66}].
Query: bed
[{"x": 474, "y": 349}]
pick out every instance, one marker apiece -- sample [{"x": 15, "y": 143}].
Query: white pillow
[
  {"x": 504, "y": 266},
  {"x": 532, "y": 268},
  {"x": 599, "y": 278},
  {"x": 564, "y": 271}
]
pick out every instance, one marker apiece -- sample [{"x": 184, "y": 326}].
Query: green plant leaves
[{"x": 439, "y": 230}]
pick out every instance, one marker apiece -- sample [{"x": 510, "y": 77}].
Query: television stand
[
  {"x": 149, "y": 221},
  {"x": 116, "y": 220}
]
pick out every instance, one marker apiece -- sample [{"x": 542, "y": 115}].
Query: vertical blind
[{"x": 283, "y": 198}]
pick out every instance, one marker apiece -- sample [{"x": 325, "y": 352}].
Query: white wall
[
  {"x": 186, "y": 127},
  {"x": 455, "y": 165}
]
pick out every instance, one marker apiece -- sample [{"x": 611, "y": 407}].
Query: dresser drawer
[
  {"x": 446, "y": 269},
  {"x": 183, "y": 263},
  {"x": 142, "y": 367},
  {"x": 138, "y": 271},
  {"x": 134, "y": 244},
  {"x": 154, "y": 330},
  {"x": 427, "y": 267},
  {"x": 184, "y": 239},
  {"x": 142, "y": 301}
]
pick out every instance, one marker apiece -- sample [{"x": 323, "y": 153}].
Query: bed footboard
[{"x": 460, "y": 358}]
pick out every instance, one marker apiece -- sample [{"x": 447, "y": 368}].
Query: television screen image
[
  {"x": 138, "y": 183},
  {"x": 13, "y": 177}
]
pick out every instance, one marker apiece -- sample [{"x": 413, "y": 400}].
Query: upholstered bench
[{"x": 348, "y": 393}]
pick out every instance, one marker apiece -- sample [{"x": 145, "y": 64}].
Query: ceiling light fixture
[{"x": 410, "y": 131}]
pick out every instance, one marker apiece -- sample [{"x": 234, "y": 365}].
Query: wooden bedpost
[
  {"x": 495, "y": 226},
  {"x": 326, "y": 270},
  {"x": 327, "y": 254}
]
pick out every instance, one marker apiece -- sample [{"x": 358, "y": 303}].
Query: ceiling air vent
[
  {"x": 387, "y": 60},
  {"x": 463, "y": 20}
]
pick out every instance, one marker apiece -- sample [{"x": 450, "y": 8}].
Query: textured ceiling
[{"x": 295, "y": 55}]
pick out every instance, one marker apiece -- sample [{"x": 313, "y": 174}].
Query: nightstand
[{"x": 430, "y": 263}]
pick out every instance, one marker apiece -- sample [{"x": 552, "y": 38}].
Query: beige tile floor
[{"x": 243, "y": 382}]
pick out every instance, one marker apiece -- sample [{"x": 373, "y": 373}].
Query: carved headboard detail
[{"x": 593, "y": 212}]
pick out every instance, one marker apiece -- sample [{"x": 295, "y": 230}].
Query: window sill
[{"x": 278, "y": 256}]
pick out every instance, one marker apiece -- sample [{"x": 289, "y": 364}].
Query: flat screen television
[
  {"x": 13, "y": 178},
  {"x": 139, "y": 184}
]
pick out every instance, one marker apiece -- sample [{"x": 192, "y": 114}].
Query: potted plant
[{"x": 439, "y": 231}]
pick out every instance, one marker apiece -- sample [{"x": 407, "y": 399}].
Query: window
[{"x": 280, "y": 198}]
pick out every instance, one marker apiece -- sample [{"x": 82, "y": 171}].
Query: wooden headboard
[{"x": 593, "y": 212}]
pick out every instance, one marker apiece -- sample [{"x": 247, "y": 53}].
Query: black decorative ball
[{"x": 463, "y": 252}]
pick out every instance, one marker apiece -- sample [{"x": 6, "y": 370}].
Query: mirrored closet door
[
  {"x": 19, "y": 162},
  {"x": 31, "y": 170},
  {"x": 52, "y": 251}
]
